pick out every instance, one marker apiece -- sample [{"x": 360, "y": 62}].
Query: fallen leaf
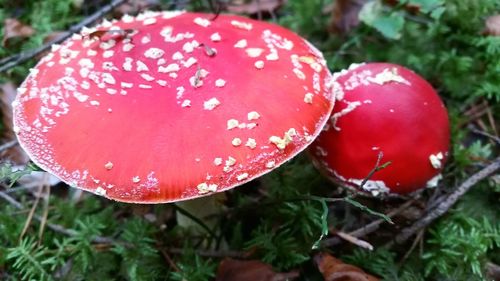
[
  {"x": 13, "y": 28},
  {"x": 334, "y": 269},
  {"x": 492, "y": 26},
  {"x": 254, "y": 7},
  {"x": 345, "y": 15},
  {"x": 250, "y": 270},
  {"x": 7, "y": 95}
]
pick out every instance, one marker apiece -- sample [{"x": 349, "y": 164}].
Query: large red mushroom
[
  {"x": 168, "y": 106},
  {"x": 384, "y": 111}
]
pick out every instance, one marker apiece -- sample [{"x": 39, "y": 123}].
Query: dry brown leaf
[
  {"x": 255, "y": 6},
  {"x": 251, "y": 270},
  {"x": 7, "y": 95},
  {"x": 334, "y": 269},
  {"x": 13, "y": 28},
  {"x": 492, "y": 26},
  {"x": 345, "y": 15}
]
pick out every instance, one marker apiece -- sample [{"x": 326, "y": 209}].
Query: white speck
[
  {"x": 242, "y": 25},
  {"x": 272, "y": 56},
  {"x": 236, "y": 142},
  {"x": 195, "y": 81},
  {"x": 243, "y": 176},
  {"x": 281, "y": 143},
  {"x": 85, "y": 85},
  {"x": 435, "y": 160},
  {"x": 434, "y": 181},
  {"x": 127, "y": 47},
  {"x": 100, "y": 191},
  {"x": 126, "y": 85},
  {"x": 91, "y": 53},
  {"x": 188, "y": 47},
  {"x": 251, "y": 143},
  {"x": 191, "y": 61},
  {"x": 391, "y": 110},
  {"x": 161, "y": 61},
  {"x": 154, "y": 53},
  {"x": 149, "y": 21},
  {"x": 108, "y": 166},
  {"x": 136, "y": 179},
  {"x": 241, "y": 44},
  {"x": 388, "y": 75},
  {"x": 253, "y": 115},
  {"x": 108, "y": 54},
  {"x": 232, "y": 123},
  {"x": 147, "y": 77},
  {"x": 254, "y": 52},
  {"x": 146, "y": 39},
  {"x": 108, "y": 78},
  {"x": 206, "y": 188},
  {"x": 94, "y": 103},
  {"x": 299, "y": 74},
  {"x": 111, "y": 91},
  {"x": 251, "y": 125},
  {"x": 215, "y": 37},
  {"x": 308, "y": 98},
  {"x": 177, "y": 56},
  {"x": 211, "y": 104},
  {"x": 141, "y": 66},
  {"x": 110, "y": 110},
  {"x": 180, "y": 92},
  {"x": 144, "y": 86},
  {"x": 169, "y": 68},
  {"x": 186, "y": 103},
  {"x": 230, "y": 161},
  {"x": 127, "y": 18},
  {"x": 220, "y": 83},
  {"x": 161, "y": 82},
  {"x": 218, "y": 161},
  {"x": 80, "y": 97},
  {"x": 259, "y": 64},
  {"x": 202, "y": 22},
  {"x": 270, "y": 164},
  {"x": 127, "y": 65}
]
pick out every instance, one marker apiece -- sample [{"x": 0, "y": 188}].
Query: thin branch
[
  {"x": 8, "y": 145},
  {"x": 354, "y": 240},
  {"x": 448, "y": 202},
  {"x": 369, "y": 228},
  {"x": 22, "y": 57},
  {"x": 485, "y": 134}
]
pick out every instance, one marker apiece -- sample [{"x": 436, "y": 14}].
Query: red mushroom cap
[
  {"x": 384, "y": 108},
  {"x": 169, "y": 106}
]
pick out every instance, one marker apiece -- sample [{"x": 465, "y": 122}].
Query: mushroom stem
[{"x": 197, "y": 215}]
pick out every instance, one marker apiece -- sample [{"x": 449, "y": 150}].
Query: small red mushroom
[
  {"x": 168, "y": 106},
  {"x": 389, "y": 111}
]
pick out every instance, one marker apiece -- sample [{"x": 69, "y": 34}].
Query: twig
[
  {"x": 351, "y": 239},
  {"x": 45, "y": 213},
  {"x": 27, "y": 223},
  {"x": 375, "y": 169},
  {"x": 448, "y": 202},
  {"x": 485, "y": 134},
  {"x": 8, "y": 145},
  {"x": 369, "y": 228},
  {"x": 22, "y": 57}
]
